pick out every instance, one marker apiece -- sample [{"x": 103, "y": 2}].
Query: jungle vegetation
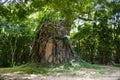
[{"x": 92, "y": 25}]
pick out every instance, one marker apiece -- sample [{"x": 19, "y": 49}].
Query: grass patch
[
  {"x": 36, "y": 68},
  {"x": 90, "y": 66},
  {"x": 116, "y": 65},
  {"x": 2, "y": 78},
  {"x": 118, "y": 79},
  {"x": 29, "y": 68},
  {"x": 82, "y": 64}
]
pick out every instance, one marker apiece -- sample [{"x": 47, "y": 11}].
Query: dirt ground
[{"x": 112, "y": 73}]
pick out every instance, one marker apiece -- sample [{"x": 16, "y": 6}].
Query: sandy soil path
[{"x": 113, "y": 73}]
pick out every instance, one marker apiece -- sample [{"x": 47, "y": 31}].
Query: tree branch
[
  {"x": 85, "y": 19},
  {"x": 2, "y": 3}
]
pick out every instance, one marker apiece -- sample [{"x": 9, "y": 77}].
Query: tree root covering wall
[{"x": 52, "y": 45}]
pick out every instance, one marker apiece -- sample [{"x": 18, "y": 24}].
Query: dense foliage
[
  {"x": 98, "y": 41},
  {"x": 94, "y": 25}
]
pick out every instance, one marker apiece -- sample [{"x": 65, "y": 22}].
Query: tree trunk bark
[{"x": 52, "y": 45}]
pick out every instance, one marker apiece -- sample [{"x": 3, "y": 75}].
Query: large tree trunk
[{"x": 52, "y": 45}]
